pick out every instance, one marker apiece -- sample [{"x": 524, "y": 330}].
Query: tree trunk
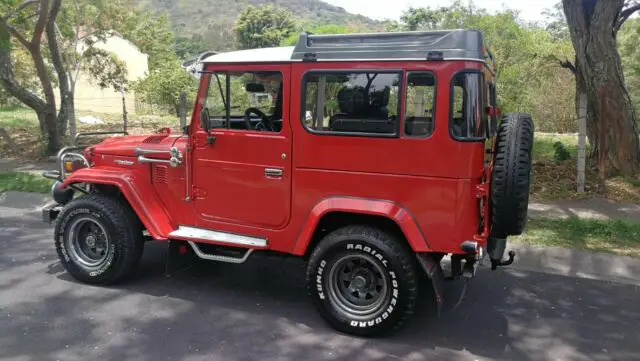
[
  {"x": 67, "y": 106},
  {"x": 591, "y": 23},
  {"x": 592, "y": 124},
  {"x": 67, "y": 114},
  {"x": 54, "y": 142}
]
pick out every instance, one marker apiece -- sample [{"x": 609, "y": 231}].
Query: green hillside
[{"x": 211, "y": 21}]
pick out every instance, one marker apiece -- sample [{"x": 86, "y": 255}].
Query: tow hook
[{"x": 495, "y": 263}]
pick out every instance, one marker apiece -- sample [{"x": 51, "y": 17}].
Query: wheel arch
[
  {"x": 140, "y": 197},
  {"x": 335, "y": 212}
]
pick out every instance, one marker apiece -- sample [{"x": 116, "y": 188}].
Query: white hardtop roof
[{"x": 281, "y": 54}]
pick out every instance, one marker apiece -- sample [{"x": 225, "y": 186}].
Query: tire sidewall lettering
[{"x": 354, "y": 246}]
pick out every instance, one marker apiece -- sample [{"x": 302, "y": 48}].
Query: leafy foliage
[
  {"x": 263, "y": 26},
  {"x": 560, "y": 152},
  {"x": 320, "y": 29},
  {"x": 629, "y": 48},
  {"x": 106, "y": 69},
  {"x": 162, "y": 87}
]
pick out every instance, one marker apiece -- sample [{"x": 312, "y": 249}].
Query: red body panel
[
  {"x": 428, "y": 186},
  {"x": 387, "y": 209},
  {"x": 136, "y": 188}
]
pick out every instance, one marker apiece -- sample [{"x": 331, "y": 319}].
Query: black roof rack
[{"x": 425, "y": 45}]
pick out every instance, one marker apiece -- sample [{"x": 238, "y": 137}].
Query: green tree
[
  {"x": 27, "y": 24},
  {"x": 263, "y": 26},
  {"x": 162, "y": 87},
  {"x": 320, "y": 29},
  {"x": 424, "y": 18},
  {"x": 186, "y": 47},
  {"x": 629, "y": 47},
  {"x": 64, "y": 40}
]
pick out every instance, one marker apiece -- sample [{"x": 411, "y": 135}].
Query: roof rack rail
[{"x": 428, "y": 45}]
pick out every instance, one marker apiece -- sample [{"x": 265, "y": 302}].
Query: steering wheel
[{"x": 268, "y": 124}]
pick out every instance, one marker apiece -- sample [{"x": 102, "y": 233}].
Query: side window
[
  {"x": 245, "y": 101},
  {"x": 347, "y": 102},
  {"x": 419, "y": 104},
  {"x": 468, "y": 115}
]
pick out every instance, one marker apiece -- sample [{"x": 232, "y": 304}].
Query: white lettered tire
[
  {"x": 362, "y": 280},
  {"x": 98, "y": 239}
]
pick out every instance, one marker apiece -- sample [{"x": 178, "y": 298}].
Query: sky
[{"x": 530, "y": 10}]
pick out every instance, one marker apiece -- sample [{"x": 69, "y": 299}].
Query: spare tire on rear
[{"x": 511, "y": 175}]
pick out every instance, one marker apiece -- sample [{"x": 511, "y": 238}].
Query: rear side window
[
  {"x": 420, "y": 104},
  {"x": 469, "y": 118},
  {"x": 363, "y": 103}
]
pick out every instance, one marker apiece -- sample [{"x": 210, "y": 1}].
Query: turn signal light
[
  {"x": 71, "y": 166},
  {"x": 68, "y": 166}
]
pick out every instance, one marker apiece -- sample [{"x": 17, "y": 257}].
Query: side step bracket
[{"x": 219, "y": 258}]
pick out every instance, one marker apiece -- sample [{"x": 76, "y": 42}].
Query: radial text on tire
[{"x": 362, "y": 280}]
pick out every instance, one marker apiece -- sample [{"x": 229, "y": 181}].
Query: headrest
[
  {"x": 352, "y": 100},
  {"x": 380, "y": 98}
]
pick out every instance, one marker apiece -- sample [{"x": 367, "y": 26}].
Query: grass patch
[
  {"x": 612, "y": 236},
  {"x": 18, "y": 117},
  {"x": 24, "y": 182},
  {"x": 543, "y": 150}
]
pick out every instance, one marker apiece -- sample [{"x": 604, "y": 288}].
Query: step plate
[{"x": 185, "y": 232}]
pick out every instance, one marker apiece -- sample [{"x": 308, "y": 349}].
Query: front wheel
[
  {"x": 98, "y": 239},
  {"x": 362, "y": 280}
]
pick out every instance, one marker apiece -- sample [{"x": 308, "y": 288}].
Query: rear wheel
[
  {"x": 98, "y": 239},
  {"x": 362, "y": 280}
]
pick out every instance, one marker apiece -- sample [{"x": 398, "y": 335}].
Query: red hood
[{"x": 126, "y": 146}]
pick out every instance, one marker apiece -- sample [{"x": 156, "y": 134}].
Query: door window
[{"x": 241, "y": 100}]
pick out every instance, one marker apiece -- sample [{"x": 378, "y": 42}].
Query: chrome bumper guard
[{"x": 72, "y": 152}]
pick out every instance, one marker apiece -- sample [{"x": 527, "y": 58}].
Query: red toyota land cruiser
[{"x": 373, "y": 156}]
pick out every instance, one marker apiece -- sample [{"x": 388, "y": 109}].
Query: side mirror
[{"x": 204, "y": 118}]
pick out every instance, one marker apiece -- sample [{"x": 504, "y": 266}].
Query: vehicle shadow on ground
[{"x": 260, "y": 311}]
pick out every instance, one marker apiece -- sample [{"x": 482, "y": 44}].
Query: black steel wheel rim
[{"x": 358, "y": 286}]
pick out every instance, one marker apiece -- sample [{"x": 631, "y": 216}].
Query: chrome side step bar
[
  {"x": 219, "y": 258},
  {"x": 230, "y": 239}
]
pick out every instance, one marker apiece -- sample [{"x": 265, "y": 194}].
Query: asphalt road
[{"x": 259, "y": 311}]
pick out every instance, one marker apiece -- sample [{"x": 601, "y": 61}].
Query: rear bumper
[{"x": 50, "y": 212}]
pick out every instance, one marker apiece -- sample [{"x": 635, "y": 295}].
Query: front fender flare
[
  {"x": 384, "y": 208},
  {"x": 137, "y": 191}
]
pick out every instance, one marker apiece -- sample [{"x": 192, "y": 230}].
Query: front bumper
[{"x": 50, "y": 212}]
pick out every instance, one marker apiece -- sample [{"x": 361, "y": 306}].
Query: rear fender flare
[
  {"x": 140, "y": 196},
  {"x": 384, "y": 208}
]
